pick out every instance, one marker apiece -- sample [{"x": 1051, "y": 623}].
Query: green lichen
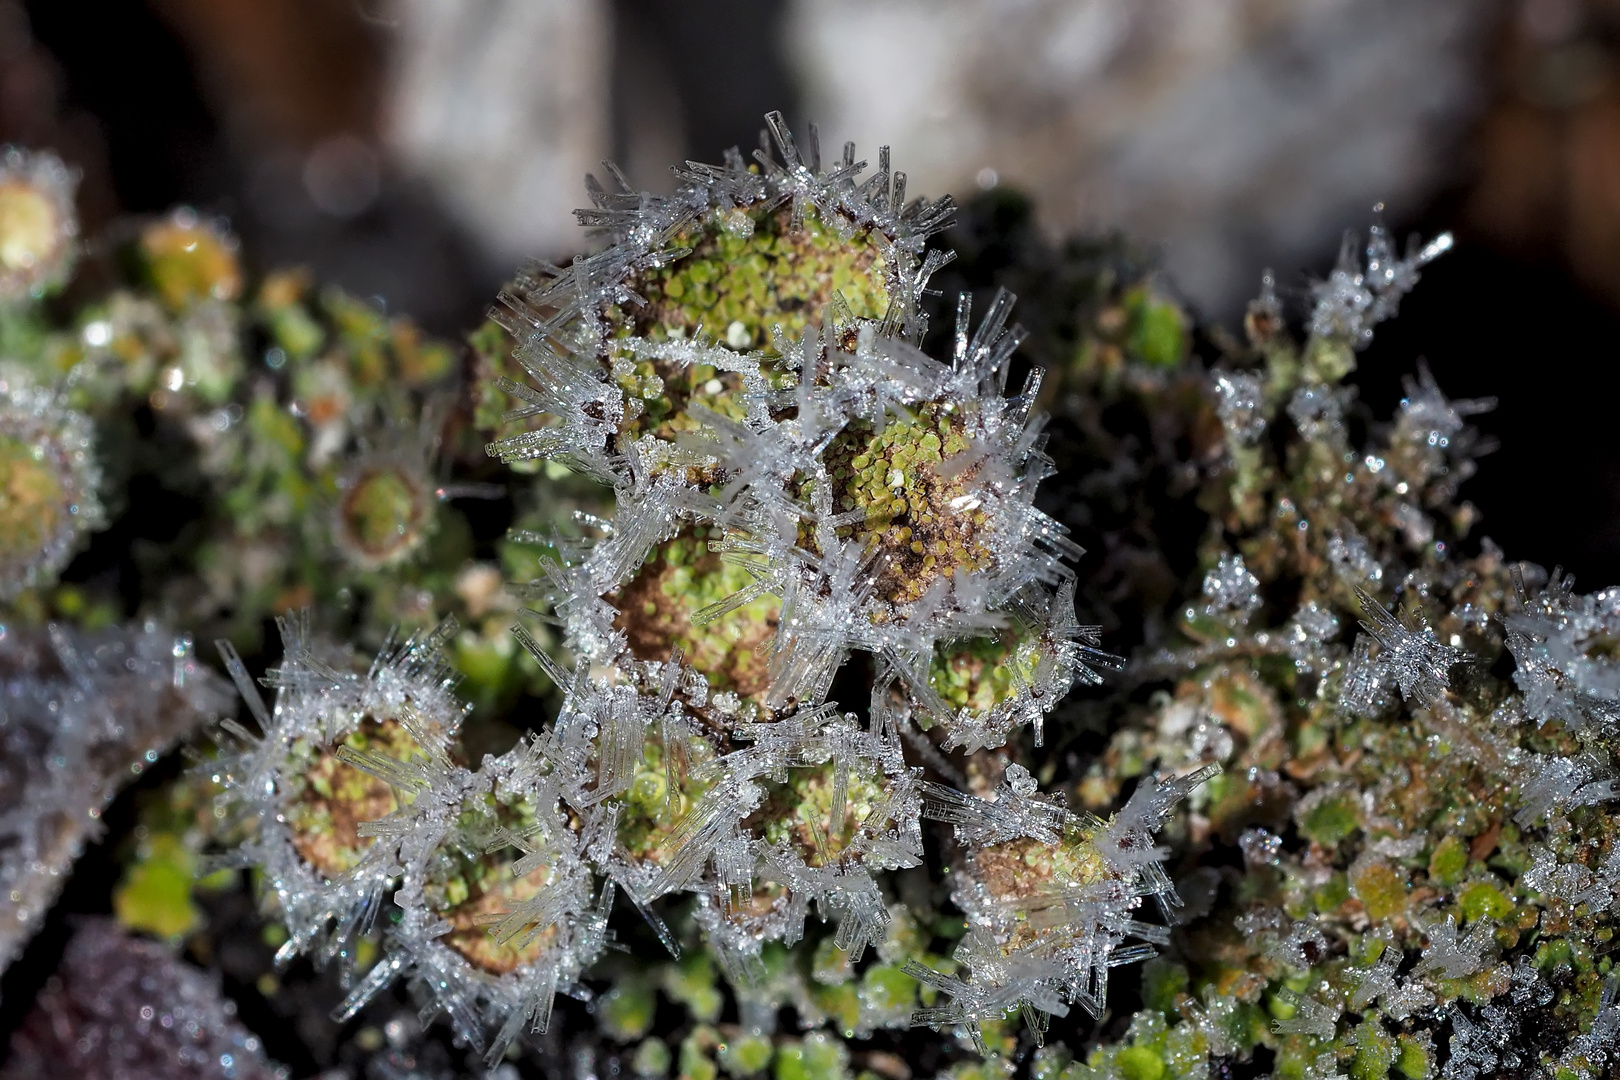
[
  {"x": 625, "y": 1012},
  {"x": 32, "y": 501},
  {"x": 981, "y": 673},
  {"x": 750, "y": 271},
  {"x": 383, "y": 514},
  {"x": 680, "y": 578},
  {"x": 815, "y": 1057},
  {"x": 652, "y": 1059},
  {"x": 327, "y": 799},
  {"x": 470, "y": 884},
  {"x": 914, "y": 514},
  {"x": 746, "y": 1055},
  {"x": 800, "y": 812}
]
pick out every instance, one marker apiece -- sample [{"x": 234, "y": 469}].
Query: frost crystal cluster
[
  {"x": 795, "y": 482},
  {"x": 732, "y": 684},
  {"x": 1417, "y": 736}
]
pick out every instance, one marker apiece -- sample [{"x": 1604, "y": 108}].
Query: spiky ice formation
[
  {"x": 1050, "y": 898},
  {"x": 741, "y": 364},
  {"x": 332, "y": 754},
  {"x": 807, "y": 486},
  {"x": 80, "y": 715},
  {"x": 48, "y": 484}
]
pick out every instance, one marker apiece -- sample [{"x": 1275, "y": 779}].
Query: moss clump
[
  {"x": 327, "y": 798},
  {"x": 679, "y": 578},
  {"x": 652, "y": 1059},
  {"x": 155, "y": 896},
  {"x": 32, "y": 502},
  {"x": 748, "y": 272},
  {"x": 383, "y": 512},
  {"x": 1483, "y": 900},
  {"x": 924, "y": 523},
  {"x": 691, "y": 982}
]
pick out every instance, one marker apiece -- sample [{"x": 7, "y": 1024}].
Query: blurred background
[{"x": 417, "y": 150}]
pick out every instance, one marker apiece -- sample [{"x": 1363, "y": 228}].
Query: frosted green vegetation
[{"x": 773, "y": 670}]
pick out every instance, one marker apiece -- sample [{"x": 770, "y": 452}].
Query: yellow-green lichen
[
  {"x": 31, "y": 230},
  {"x": 981, "y": 673},
  {"x": 327, "y": 799},
  {"x": 799, "y": 813},
  {"x": 651, "y": 812},
  {"x": 926, "y": 525},
  {"x": 33, "y": 503},
  {"x": 749, "y": 271},
  {"x": 189, "y": 260},
  {"x": 679, "y": 578},
  {"x": 470, "y": 884},
  {"x": 383, "y": 512}
]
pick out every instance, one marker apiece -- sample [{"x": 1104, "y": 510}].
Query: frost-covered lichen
[
  {"x": 761, "y": 709},
  {"x": 38, "y": 223},
  {"x": 794, "y": 482},
  {"x": 1423, "y": 806},
  {"x": 49, "y": 481},
  {"x": 81, "y": 715}
]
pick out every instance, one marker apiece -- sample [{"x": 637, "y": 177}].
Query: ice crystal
[
  {"x": 120, "y": 1008},
  {"x": 38, "y": 223},
  {"x": 1356, "y": 296},
  {"x": 1311, "y": 1017},
  {"x": 80, "y": 715},
  {"x": 1560, "y": 642},
  {"x": 1229, "y": 588},
  {"x": 1240, "y": 399},
  {"x": 1559, "y": 783},
  {"x": 1486, "y": 1046},
  {"x": 48, "y": 483},
  {"x": 1454, "y": 957},
  {"x": 1436, "y": 425},
  {"x": 1415, "y": 659}
]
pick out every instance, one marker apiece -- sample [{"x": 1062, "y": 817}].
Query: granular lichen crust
[
  {"x": 750, "y": 271},
  {"x": 800, "y": 812},
  {"x": 981, "y": 673},
  {"x": 471, "y": 887},
  {"x": 915, "y": 501},
  {"x": 679, "y": 578},
  {"x": 328, "y": 798}
]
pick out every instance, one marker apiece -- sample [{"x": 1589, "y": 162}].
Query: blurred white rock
[
  {"x": 503, "y": 106},
  {"x": 1237, "y": 133}
]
